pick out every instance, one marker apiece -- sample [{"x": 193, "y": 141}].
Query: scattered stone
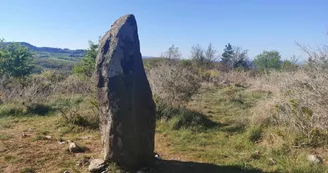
[
  {"x": 157, "y": 157},
  {"x": 61, "y": 142},
  {"x": 225, "y": 82},
  {"x": 74, "y": 148},
  {"x": 272, "y": 161},
  {"x": 314, "y": 159},
  {"x": 30, "y": 129},
  {"x": 48, "y": 137},
  {"x": 24, "y": 135},
  {"x": 96, "y": 165},
  {"x": 128, "y": 111}
]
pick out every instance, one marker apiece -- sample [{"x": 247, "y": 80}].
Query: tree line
[
  {"x": 234, "y": 57},
  {"x": 17, "y": 60}
]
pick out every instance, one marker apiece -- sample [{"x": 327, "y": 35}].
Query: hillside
[{"x": 54, "y": 53}]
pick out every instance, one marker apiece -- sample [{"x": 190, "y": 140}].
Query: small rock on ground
[
  {"x": 272, "y": 161},
  {"x": 48, "y": 137},
  {"x": 96, "y": 165},
  {"x": 314, "y": 159},
  {"x": 74, "y": 148}
]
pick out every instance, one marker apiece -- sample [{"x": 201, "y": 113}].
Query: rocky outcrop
[{"x": 125, "y": 98}]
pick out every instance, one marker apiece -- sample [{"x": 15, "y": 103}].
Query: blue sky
[{"x": 255, "y": 25}]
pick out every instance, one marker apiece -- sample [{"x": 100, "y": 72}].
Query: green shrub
[
  {"x": 15, "y": 60},
  {"x": 87, "y": 65},
  {"x": 84, "y": 115},
  {"x": 178, "y": 118},
  {"x": 254, "y": 134},
  {"x": 11, "y": 109},
  {"x": 38, "y": 109}
]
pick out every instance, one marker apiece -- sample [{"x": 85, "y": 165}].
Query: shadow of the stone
[{"x": 173, "y": 166}]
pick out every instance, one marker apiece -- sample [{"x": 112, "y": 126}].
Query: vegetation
[
  {"x": 204, "y": 58},
  {"x": 208, "y": 117},
  {"x": 87, "y": 64},
  {"x": 15, "y": 60},
  {"x": 268, "y": 60},
  {"x": 50, "y": 52},
  {"x": 234, "y": 57},
  {"x": 172, "y": 53}
]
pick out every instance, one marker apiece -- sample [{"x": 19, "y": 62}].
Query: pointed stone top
[
  {"x": 129, "y": 18},
  {"x": 125, "y": 25},
  {"x": 120, "y": 42}
]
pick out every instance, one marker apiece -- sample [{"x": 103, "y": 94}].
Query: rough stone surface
[
  {"x": 125, "y": 98},
  {"x": 96, "y": 165},
  {"x": 314, "y": 159}
]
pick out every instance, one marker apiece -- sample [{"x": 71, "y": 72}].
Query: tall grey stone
[{"x": 126, "y": 104}]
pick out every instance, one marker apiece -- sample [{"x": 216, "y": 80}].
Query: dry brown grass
[
  {"x": 39, "y": 87},
  {"x": 36, "y": 153},
  {"x": 299, "y": 100}
]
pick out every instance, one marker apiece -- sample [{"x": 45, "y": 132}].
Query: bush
[
  {"x": 255, "y": 133},
  {"x": 173, "y": 84},
  {"x": 83, "y": 115},
  {"x": 178, "y": 118},
  {"x": 15, "y": 60},
  {"x": 300, "y": 99},
  {"x": 268, "y": 60},
  {"x": 31, "y": 89},
  {"x": 87, "y": 64}
]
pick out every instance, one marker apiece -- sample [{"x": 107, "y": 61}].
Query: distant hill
[{"x": 54, "y": 53}]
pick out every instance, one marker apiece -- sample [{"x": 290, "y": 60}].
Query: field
[{"x": 211, "y": 134}]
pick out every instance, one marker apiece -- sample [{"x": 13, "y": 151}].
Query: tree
[
  {"x": 172, "y": 53},
  {"x": 197, "y": 54},
  {"x": 87, "y": 64},
  {"x": 201, "y": 57},
  {"x": 268, "y": 60},
  {"x": 15, "y": 60},
  {"x": 289, "y": 65},
  {"x": 227, "y": 55},
  {"x": 210, "y": 55},
  {"x": 239, "y": 58},
  {"x": 234, "y": 57}
]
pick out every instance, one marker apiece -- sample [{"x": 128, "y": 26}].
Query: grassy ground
[
  {"x": 228, "y": 145},
  {"x": 33, "y": 152}
]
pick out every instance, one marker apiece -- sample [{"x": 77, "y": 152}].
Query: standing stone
[{"x": 126, "y": 104}]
